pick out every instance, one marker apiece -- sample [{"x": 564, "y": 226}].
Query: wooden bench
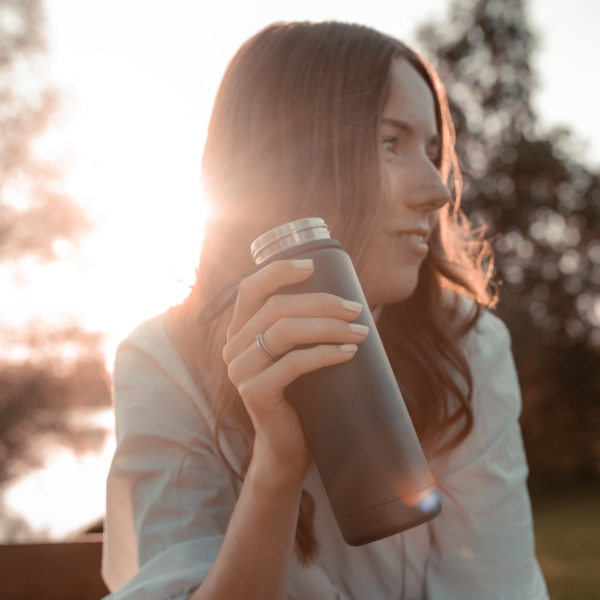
[{"x": 61, "y": 571}]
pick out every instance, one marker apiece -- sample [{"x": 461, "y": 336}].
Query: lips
[
  {"x": 422, "y": 231},
  {"x": 417, "y": 233},
  {"x": 414, "y": 240},
  {"x": 412, "y": 237}
]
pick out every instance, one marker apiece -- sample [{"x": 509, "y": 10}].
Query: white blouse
[{"x": 169, "y": 501}]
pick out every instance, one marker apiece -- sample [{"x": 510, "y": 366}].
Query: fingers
[
  {"x": 264, "y": 390},
  {"x": 286, "y": 321},
  {"x": 289, "y": 332},
  {"x": 254, "y": 290},
  {"x": 297, "y": 306}
]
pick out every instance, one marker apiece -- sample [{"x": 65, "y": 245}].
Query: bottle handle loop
[{"x": 204, "y": 317}]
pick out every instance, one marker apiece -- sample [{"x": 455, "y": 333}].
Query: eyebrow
[{"x": 409, "y": 129}]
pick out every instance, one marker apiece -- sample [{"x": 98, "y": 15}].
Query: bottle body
[
  {"x": 353, "y": 414},
  {"x": 357, "y": 425}
]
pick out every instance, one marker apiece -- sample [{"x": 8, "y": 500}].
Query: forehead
[{"x": 410, "y": 98}]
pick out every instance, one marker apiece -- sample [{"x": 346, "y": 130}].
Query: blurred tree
[
  {"x": 34, "y": 211},
  {"x": 541, "y": 206},
  {"x": 61, "y": 369},
  {"x": 51, "y": 397}
]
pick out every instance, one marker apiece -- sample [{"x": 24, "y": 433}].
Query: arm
[
  {"x": 255, "y": 558},
  {"x": 483, "y": 541},
  {"x": 170, "y": 495},
  {"x": 175, "y": 513},
  {"x": 166, "y": 516},
  {"x": 171, "y": 523}
]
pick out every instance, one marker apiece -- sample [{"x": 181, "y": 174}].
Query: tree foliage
[
  {"x": 61, "y": 369},
  {"x": 44, "y": 400},
  {"x": 541, "y": 207},
  {"x": 34, "y": 210}
]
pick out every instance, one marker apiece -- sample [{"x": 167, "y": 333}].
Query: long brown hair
[{"x": 294, "y": 133}]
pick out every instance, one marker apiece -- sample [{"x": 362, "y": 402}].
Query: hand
[{"x": 286, "y": 321}]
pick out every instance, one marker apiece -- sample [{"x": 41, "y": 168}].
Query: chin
[{"x": 393, "y": 290}]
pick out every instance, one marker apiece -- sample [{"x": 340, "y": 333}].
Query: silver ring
[{"x": 261, "y": 344}]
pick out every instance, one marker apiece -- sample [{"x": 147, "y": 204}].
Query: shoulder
[
  {"x": 495, "y": 398},
  {"x": 152, "y": 382},
  {"x": 487, "y": 342},
  {"x": 494, "y": 385},
  {"x": 496, "y": 394},
  {"x": 488, "y": 338},
  {"x": 149, "y": 337},
  {"x": 148, "y": 354},
  {"x": 150, "y": 379},
  {"x": 496, "y": 391}
]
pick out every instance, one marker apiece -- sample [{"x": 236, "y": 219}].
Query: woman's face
[{"x": 409, "y": 145}]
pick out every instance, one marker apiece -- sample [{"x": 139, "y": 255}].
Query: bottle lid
[{"x": 288, "y": 235}]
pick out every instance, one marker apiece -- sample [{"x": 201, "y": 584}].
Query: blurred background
[{"x": 103, "y": 113}]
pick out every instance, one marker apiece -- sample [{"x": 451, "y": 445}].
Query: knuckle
[
  {"x": 338, "y": 303},
  {"x": 329, "y": 328},
  {"x": 232, "y": 372},
  {"x": 245, "y": 288},
  {"x": 283, "y": 328},
  {"x": 325, "y": 297},
  {"x": 244, "y": 390},
  {"x": 341, "y": 329},
  {"x": 277, "y": 328},
  {"x": 275, "y": 268},
  {"x": 333, "y": 330},
  {"x": 329, "y": 301},
  {"x": 293, "y": 362},
  {"x": 273, "y": 305},
  {"x": 323, "y": 352},
  {"x": 227, "y": 354}
]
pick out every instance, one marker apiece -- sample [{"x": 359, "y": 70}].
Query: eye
[{"x": 390, "y": 144}]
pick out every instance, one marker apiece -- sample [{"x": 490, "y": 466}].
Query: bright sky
[
  {"x": 568, "y": 68},
  {"x": 139, "y": 77}
]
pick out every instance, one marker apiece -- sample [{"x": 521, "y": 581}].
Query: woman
[{"x": 211, "y": 493}]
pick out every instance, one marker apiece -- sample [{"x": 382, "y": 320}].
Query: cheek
[
  {"x": 390, "y": 275},
  {"x": 433, "y": 219},
  {"x": 394, "y": 177}
]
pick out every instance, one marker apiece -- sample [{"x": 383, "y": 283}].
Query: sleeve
[
  {"x": 169, "y": 494},
  {"x": 483, "y": 541}
]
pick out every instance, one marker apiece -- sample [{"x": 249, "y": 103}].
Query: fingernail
[
  {"x": 303, "y": 265},
  {"x": 349, "y": 348},
  {"x": 360, "y": 329},
  {"x": 353, "y": 306}
]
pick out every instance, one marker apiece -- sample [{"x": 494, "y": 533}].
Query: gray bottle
[{"x": 353, "y": 415}]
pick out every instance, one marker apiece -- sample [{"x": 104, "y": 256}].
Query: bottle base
[{"x": 391, "y": 518}]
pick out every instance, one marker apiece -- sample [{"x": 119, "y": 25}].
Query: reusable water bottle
[{"x": 353, "y": 415}]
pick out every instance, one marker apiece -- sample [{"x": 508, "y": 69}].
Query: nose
[{"x": 427, "y": 192}]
